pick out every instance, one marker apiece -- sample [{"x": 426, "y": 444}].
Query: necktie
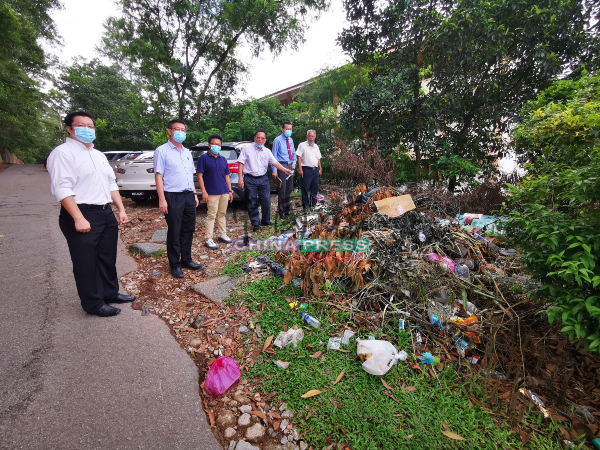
[{"x": 289, "y": 149}]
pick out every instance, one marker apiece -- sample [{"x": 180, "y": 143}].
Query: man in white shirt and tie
[{"x": 84, "y": 183}]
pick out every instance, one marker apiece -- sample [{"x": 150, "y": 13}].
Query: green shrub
[{"x": 554, "y": 214}]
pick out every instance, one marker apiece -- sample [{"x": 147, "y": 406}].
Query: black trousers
[
  {"x": 310, "y": 187},
  {"x": 285, "y": 191},
  {"x": 257, "y": 190},
  {"x": 181, "y": 223},
  {"x": 94, "y": 255}
]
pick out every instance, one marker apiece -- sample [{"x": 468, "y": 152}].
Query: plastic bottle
[
  {"x": 462, "y": 271},
  {"x": 422, "y": 237},
  {"x": 312, "y": 321}
]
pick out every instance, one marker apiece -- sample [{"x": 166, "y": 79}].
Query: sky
[{"x": 80, "y": 23}]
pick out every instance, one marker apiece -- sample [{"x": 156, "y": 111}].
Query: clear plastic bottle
[
  {"x": 312, "y": 321},
  {"x": 462, "y": 271}
]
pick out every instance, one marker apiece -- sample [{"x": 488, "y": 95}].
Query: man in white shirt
[
  {"x": 253, "y": 163},
  {"x": 309, "y": 168},
  {"x": 84, "y": 183}
]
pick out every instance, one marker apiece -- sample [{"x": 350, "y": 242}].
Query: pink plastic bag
[
  {"x": 223, "y": 372},
  {"x": 444, "y": 261}
]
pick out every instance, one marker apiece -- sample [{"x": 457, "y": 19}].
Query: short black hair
[
  {"x": 215, "y": 136},
  {"x": 260, "y": 131},
  {"x": 285, "y": 123},
  {"x": 69, "y": 118},
  {"x": 174, "y": 121}
]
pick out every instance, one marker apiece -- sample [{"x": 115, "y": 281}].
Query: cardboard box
[{"x": 395, "y": 206}]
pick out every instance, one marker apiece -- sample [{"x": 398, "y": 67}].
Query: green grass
[{"x": 367, "y": 418}]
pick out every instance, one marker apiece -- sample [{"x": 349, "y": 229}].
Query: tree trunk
[{"x": 452, "y": 183}]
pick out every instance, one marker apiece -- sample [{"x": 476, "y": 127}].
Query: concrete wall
[{"x": 8, "y": 157}]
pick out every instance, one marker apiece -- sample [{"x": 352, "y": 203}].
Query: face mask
[
  {"x": 85, "y": 135},
  {"x": 287, "y": 133},
  {"x": 259, "y": 145},
  {"x": 179, "y": 136},
  {"x": 311, "y": 142},
  {"x": 215, "y": 149}
]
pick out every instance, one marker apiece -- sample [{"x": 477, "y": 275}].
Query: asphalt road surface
[{"x": 73, "y": 381}]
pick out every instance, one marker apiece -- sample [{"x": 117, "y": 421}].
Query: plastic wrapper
[
  {"x": 288, "y": 337},
  {"x": 377, "y": 357},
  {"x": 223, "y": 372},
  {"x": 443, "y": 261}
]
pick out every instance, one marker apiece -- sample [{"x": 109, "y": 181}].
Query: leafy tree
[
  {"x": 184, "y": 50},
  {"x": 487, "y": 58},
  {"x": 119, "y": 106},
  {"x": 22, "y": 66},
  {"x": 553, "y": 214}
]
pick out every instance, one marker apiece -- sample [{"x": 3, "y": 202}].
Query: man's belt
[
  {"x": 253, "y": 176},
  {"x": 308, "y": 167},
  {"x": 88, "y": 206}
]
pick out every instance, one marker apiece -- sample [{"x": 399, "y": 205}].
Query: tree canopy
[
  {"x": 485, "y": 59},
  {"x": 185, "y": 51}
]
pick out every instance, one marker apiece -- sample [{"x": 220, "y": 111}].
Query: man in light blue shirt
[
  {"x": 174, "y": 174},
  {"x": 285, "y": 153}
]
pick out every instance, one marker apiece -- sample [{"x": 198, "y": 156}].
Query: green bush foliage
[{"x": 554, "y": 214}]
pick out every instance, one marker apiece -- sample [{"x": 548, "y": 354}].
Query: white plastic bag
[{"x": 378, "y": 357}]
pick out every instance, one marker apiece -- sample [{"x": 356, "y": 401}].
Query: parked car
[
  {"x": 115, "y": 155},
  {"x": 135, "y": 175}
]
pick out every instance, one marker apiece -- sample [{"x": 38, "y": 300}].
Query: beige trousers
[{"x": 217, "y": 206}]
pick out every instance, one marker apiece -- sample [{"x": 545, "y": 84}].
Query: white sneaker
[
  {"x": 211, "y": 244},
  {"x": 225, "y": 239}
]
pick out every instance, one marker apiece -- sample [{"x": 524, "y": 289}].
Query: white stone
[
  {"x": 244, "y": 420},
  {"x": 255, "y": 433},
  {"x": 243, "y": 445},
  {"x": 229, "y": 433},
  {"x": 245, "y": 409},
  {"x": 226, "y": 419}
]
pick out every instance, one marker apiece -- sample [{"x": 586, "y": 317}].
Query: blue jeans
[
  {"x": 257, "y": 189},
  {"x": 310, "y": 187}
]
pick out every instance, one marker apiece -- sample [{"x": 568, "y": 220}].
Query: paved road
[{"x": 73, "y": 381}]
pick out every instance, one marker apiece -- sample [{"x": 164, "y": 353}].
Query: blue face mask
[
  {"x": 287, "y": 133},
  {"x": 85, "y": 135},
  {"x": 259, "y": 145},
  {"x": 215, "y": 149},
  {"x": 179, "y": 136},
  {"x": 311, "y": 142}
]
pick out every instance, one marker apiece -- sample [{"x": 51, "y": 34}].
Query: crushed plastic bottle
[
  {"x": 312, "y": 321},
  {"x": 422, "y": 237},
  {"x": 462, "y": 271}
]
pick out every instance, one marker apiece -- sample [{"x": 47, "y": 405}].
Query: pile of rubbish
[{"x": 432, "y": 276}]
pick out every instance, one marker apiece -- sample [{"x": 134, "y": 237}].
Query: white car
[{"x": 135, "y": 175}]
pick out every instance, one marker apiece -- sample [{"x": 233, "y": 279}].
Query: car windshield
[{"x": 132, "y": 156}]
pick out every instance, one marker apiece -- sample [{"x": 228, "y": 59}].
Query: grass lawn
[{"x": 356, "y": 411}]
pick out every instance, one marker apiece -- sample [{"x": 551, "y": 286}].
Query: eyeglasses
[
  {"x": 177, "y": 129},
  {"x": 80, "y": 125}
]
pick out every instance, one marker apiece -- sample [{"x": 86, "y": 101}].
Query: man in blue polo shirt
[
  {"x": 285, "y": 153},
  {"x": 215, "y": 183},
  {"x": 174, "y": 175}
]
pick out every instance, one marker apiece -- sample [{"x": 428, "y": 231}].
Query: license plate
[{"x": 139, "y": 194}]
